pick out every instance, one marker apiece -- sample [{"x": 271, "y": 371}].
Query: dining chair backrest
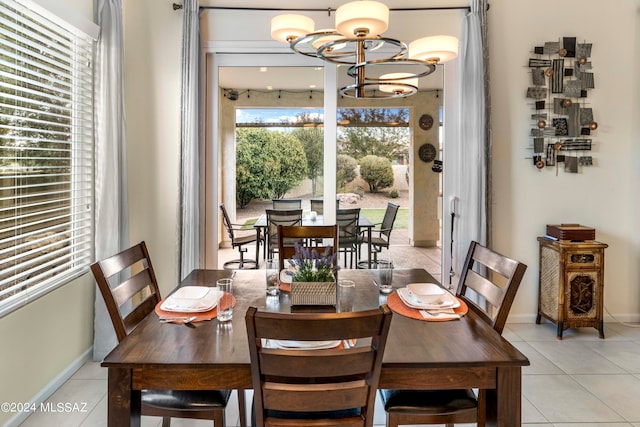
[
  {"x": 325, "y": 235},
  {"x": 317, "y": 205},
  {"x": 277, "y": 217},
  {"x": 389, "y": 219},
  {"x": 129, "y": 287},
  {"x": 306, "y": 385},
  {"x": 347, "y": 221},
  {"x": 495, "y": 278},
  {"x": 227, "y": 222},
  {"x": 121, "y": 278},
  {"x": 286, "y": 204},
  {"x": 244, "y": 238}
]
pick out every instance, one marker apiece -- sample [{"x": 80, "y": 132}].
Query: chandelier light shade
[
  {"x": 438, "y": 49},
  {"x": 362, "y": 18},
  {"x": 357, "y": 41},
  {"x": 288, "y": 27}
]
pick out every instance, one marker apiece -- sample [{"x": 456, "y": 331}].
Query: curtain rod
[{"x": 177, "y": 6}]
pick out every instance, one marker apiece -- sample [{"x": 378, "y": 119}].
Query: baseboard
[
  {"x": 51, "y": 388},
  {"x": 521, "y": 318}
]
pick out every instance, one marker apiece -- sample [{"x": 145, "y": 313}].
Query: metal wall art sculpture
[{"x": 563, "y": 123}]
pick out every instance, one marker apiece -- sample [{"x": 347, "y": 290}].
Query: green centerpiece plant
[
  {"x": 309, "y": 266},
  {"x": 314, "y": 276}
]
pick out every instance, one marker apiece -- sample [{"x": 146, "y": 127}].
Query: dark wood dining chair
[
  {"x": 306, "y": 388},
  {"x": 495, "y": 278},
  {"x": 239, "y": 241},
  {"x": 130, "y": 290},
  {"x": 380, "y": 235},
  {"x": 322, "y": 237},
  {"x": 348, "y": 233},
  {"x": 275, "y": 218}
]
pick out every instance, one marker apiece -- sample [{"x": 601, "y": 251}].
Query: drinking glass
[
  {"x": 385, "y": 275},
  {"x": 346, "y": 295},
  {"x": 272, "y": 268},
  {"x": 225, "y": 309}
]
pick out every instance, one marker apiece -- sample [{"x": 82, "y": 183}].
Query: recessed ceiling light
[
  {"x": 312, "y": 86},
  {"x": 318, "y": 69},
  {"x": 263, "y": 69},
  {"x": 269, "y": 87}
]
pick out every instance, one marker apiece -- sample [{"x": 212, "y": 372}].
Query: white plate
[
  {"x": 191, "y": 292},
  {"x": 304, "y": 345},
  {"x": 286, "y": 276},
  {"x": 426, "y": 289},
  {"x": 192, "y": 305},
  {"x": 411, "y": 300}
]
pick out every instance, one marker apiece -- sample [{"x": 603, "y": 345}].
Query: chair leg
[
  {"x": 218, "y": 418},
  {"x": 257, "y": 253},
  {"x": 392, "y": 420},
  {"x": 242, "y": 251},
  {"x": 166, "y": 422},
  {"x": 242, "y": 408}
]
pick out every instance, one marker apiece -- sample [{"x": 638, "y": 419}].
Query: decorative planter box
[{"x": 313, "y": 293}]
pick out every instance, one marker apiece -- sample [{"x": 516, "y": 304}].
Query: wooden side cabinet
[{"x": 571, "y": 284}]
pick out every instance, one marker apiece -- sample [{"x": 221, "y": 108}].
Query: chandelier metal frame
[{"x": 352, "y": 51}]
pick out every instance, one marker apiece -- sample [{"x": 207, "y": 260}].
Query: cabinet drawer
[{"x": 583, "y": 259}]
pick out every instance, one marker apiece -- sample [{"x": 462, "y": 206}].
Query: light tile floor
[{"x": 578, "y": 381}]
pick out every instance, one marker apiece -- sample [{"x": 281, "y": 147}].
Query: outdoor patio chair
[
  {"x": 317, "y": 205},
  {"x": 381, "y": 235},
  {"x": 349, "y": 237},
  {"x": 250, "y": 236},
  {"x": 286, "y": 204},
  {"x": 276, "y": 218}
]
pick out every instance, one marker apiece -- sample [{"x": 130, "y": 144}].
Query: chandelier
[{"x": 357, "y": 41}]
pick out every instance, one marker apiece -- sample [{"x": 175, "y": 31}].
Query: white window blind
[{"x": 46, "y": 153}]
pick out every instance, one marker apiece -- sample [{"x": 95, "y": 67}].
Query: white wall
[{"x": 604, "y": 196}]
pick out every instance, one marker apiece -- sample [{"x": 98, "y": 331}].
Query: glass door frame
[{"x": 211, "y": 185}]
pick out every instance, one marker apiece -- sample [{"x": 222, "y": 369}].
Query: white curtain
[
  {"x": 191, "y": 253},
  {"x": 472, "y": 163},
  {"x": 112, "y": 211}
]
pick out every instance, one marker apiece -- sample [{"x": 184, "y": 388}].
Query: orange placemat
[
  {"x": 395, "y": 303},
  {"x": 200, "y": 315},
  {"x": 285, "y": 287}
]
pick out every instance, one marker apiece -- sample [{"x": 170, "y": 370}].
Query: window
[{"x": 46, "y": 152}]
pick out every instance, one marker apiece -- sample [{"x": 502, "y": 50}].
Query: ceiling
[
  {"x": 309, "y": 78},
  {"x": 297, "y": 78}
]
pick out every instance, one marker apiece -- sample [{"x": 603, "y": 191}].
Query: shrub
[
  {"x": 268, "y": 164},
  {"x": 346, "y": 167},
  {"x": 394, "y": 194},
  {"x": 377, "y": 172}
]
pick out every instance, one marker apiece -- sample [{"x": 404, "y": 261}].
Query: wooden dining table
[{"x": 420, "y": 354}]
